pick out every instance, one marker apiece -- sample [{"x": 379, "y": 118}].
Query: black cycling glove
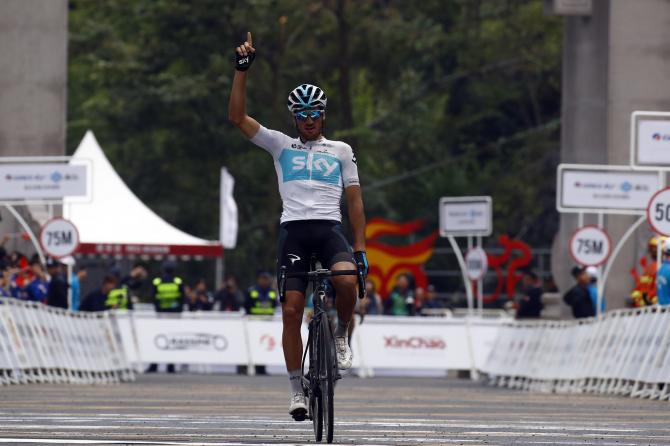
[
  {"x": 362, "y": 259},
  {"x": 242, "y": 63}
]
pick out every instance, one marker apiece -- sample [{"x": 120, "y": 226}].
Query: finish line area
[{"x": 229, "y": 410}]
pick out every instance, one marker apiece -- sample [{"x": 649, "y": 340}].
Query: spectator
[
  {"x": 578, "y": 297},
  {"x": 57, "y": 293},
  {"x": 97, "y": 300},
  {"x": 419, "y": 299},
  {"x": 4, "y": 281},
  {"x": 663, "y": 280},
  {"x": 19, "y": 275},
  {"x": 134, "y": 281},
  {"x": 229, "y": 297},
  {"x": 75, "y": 285},
  {"x": 261, "y": 298},
  {"x": 169, "y": 297},
  {"x": 431, "y": 302},
  {"x": 401, "y": 300},
  {"x": 530, "y": 304},
  {"x": 36, "y": 290},
  {"x": 372, "y": 303},
  {"x": 592, "y": 272},
  {"x": 3, "y": 253},
  {"x": 200, "y": 299},
  {"x": 118, "y": 298}
]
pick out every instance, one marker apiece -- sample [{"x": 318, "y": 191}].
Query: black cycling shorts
[{"x": 298, "y": 240}]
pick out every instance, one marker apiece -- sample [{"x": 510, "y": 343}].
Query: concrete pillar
[
  {"x": 615, "y": 61},
  {"x": 33, "y": 84},
  {"x": 639, "y": 70},
  {"x": 584, "y": 103}
]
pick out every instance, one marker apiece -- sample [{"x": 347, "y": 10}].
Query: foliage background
[{"x": 438, "y": 98}]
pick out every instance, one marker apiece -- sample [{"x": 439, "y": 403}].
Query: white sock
[{"x": 295, "y": 380}]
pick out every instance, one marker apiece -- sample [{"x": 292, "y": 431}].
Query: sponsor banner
[
  {"x": 583, "y": 189},
  {"x": 432, "y": 344},
  {"x": 265, "y": 341},
  {"x": 465, "y": 216},
  {"x": 191, "y": 341},
  {"x": 44, "y": 181},
  {"x": 653, "y": 142}
]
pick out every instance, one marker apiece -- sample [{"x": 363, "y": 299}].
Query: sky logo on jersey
[{"x": 294, "y": 166}]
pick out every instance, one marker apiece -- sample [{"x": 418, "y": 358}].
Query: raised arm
[{"x": 237, "y": 105}]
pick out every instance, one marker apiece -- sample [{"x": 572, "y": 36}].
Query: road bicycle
[{"x": 322, "y": 372}]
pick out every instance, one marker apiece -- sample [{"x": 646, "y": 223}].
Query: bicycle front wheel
[
  {"x": 327, "y": 364},
  {"x": 315, "y": 399}
]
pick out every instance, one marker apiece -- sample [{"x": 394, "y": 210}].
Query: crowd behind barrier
[
  {"x": 624, "y": 352},
  {"x": 44, "y": 344}
]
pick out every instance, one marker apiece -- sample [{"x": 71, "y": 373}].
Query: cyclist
[{"x": 312, "y": 172}]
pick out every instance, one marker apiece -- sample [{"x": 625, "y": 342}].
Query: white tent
[{"x": 116, "y": 222}]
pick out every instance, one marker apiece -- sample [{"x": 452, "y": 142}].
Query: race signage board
[
  {"x": 658, "y": 212},
  {"x": 650, "y": 140},
  {"x": 465, "y": 216},
  {"x": 590, "y": 246},
  {"x": 42, "y": 181},
  {"x": 603, "y": 188},
  {"x": 59, "y": 238},
  {"x": 476, "y": 263}
]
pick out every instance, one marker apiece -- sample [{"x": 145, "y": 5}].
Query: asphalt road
[{"x": 236, "y": 410}]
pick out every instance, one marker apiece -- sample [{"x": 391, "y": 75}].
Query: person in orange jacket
[{"x": 644, "y": 292}]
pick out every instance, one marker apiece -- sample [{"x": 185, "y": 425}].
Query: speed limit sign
[
  {"x": 59, "y": 238},
  {"x": 658, "y": 212},
  {"x": 590, "y": 246}
]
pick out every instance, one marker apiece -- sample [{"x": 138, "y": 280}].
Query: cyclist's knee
[
  {"x": 344, "y": 282},
  {"x": 292, "y": 315}
]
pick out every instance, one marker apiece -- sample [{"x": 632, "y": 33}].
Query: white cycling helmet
[{"x": 306, "y": 97}]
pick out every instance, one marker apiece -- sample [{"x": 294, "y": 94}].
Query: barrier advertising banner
[
  {"x": 414, "y": 346},
  {"x": 191, "y": 341},
  {"x": 265, "y": 341}
]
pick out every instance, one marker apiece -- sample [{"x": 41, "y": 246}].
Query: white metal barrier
[
  {"x": 382, "y": 343},
  {"x": 625, "y": 352},
  {"x": 42, "y": 344}
]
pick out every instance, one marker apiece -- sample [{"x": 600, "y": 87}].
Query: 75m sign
[
  {"x": 59, "y": 238},
  {"x": 590, "y": 246}
]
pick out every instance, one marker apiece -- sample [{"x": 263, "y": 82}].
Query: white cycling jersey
[{"x": 311, "y": 174}]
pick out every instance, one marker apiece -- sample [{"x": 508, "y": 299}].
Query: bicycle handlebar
[{"x": 321, "y": 274}]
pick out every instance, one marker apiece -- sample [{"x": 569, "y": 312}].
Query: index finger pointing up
[{"x": 249, "y": 37}]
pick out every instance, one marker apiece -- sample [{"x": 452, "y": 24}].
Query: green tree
[{"x": 438, "y": 98}]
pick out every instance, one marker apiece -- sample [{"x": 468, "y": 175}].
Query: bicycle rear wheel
[{"x": 327, "y": 376}]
